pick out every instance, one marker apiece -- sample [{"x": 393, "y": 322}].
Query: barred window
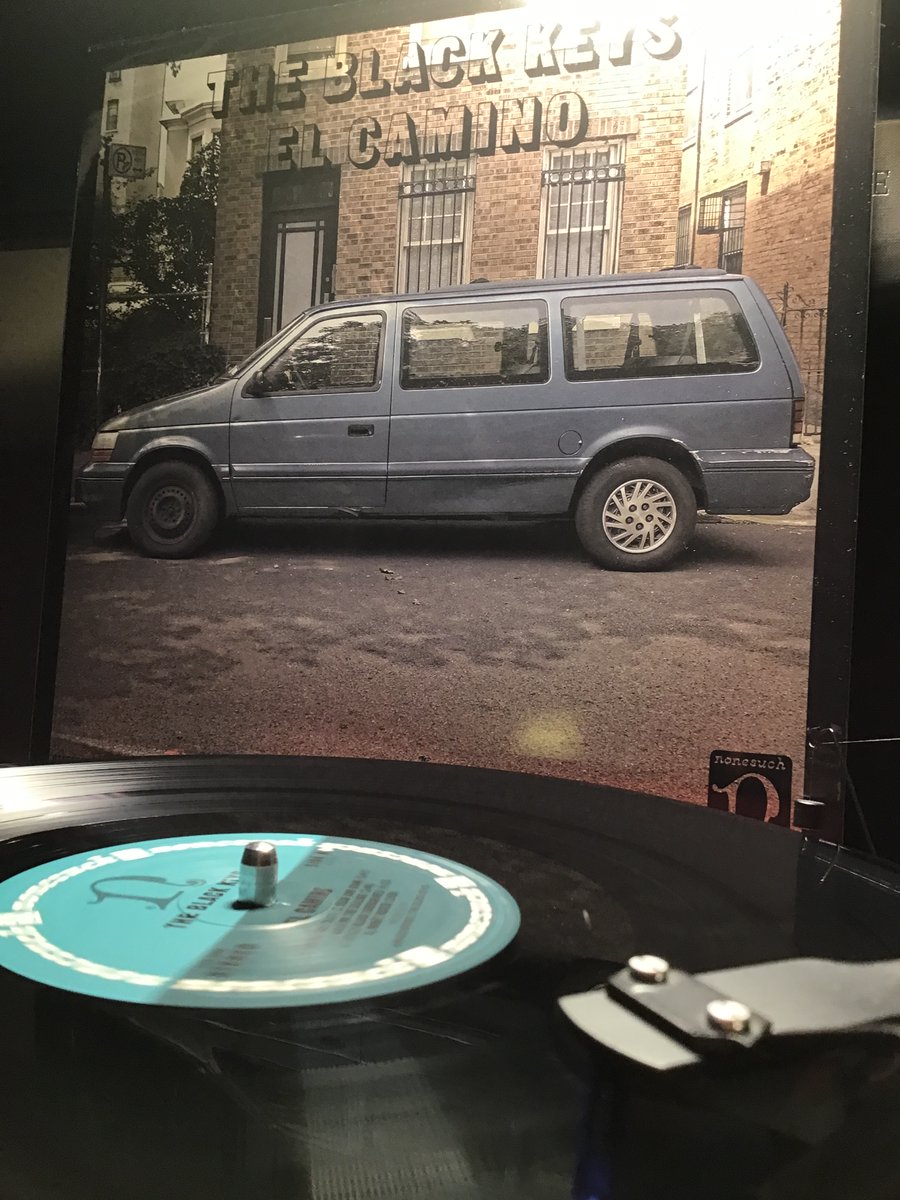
[
  {"x": 580, "y": 211},
  {"x": 731, "y": 240},
  {"x": 683, "y": 237},
  {"x": 710, "y": 216},
  {"x": 112, "y": 116},
  {"x": 436, "y": 201}
]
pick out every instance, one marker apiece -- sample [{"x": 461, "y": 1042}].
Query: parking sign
[{"x": 127, "y": 162}]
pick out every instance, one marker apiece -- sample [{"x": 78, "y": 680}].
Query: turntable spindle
[{"x": 258, "y": 876}]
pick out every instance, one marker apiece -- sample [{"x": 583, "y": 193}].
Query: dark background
[{"x": 52, "y": 89}]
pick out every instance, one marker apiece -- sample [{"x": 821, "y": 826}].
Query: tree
[
  {"x": 165, "y": 244},
  {"x": 154, "y": 342}
]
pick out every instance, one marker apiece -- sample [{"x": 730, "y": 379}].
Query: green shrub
[{"x": 139, "y": 374}]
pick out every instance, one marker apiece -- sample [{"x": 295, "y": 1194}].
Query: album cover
[{"x": 455, "y": 391}]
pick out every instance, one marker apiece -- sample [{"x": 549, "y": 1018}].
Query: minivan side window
[
  {"x": 336, "y": 354},
  {"x": 644, "y": 336},
  {"x": 475, "y": 345}
]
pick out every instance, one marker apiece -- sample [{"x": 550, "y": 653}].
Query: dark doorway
[{"x": 299, "y": 246}]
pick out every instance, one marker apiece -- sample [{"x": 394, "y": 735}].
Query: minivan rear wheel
[
  {"x": 636, "y": 515},
  {"x": 173, "y": 510}
]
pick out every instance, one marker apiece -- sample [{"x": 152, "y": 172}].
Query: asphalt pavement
[{"x": 496, "y": 644}]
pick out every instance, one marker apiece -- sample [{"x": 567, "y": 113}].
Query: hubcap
[
  {"x": 639, "y": 516},
  {"x": 171, "y": 511}
]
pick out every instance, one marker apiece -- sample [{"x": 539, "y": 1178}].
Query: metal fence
[{"x": 805, "y": 325}]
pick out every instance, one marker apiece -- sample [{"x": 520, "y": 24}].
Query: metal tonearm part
[{"x": 661, "y": 1018}]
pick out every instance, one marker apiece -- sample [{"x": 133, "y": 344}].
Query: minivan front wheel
[
  {"x": 173, "y": 510},
  {"x": 636, "y": 515}
]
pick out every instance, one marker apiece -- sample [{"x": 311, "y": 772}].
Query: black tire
[
  {"x": 670, "y": 503},
  {"x": 173, "y": 510}
]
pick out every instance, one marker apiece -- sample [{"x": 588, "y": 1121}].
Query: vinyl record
[
  {"x": 454, "y": 1079},
  {"x": 163, "y": 921}
]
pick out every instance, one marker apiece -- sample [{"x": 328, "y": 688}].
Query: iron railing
[{"x": 805, "y": 326}]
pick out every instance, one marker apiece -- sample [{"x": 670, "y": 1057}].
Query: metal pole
[
  {"x": 695, "y": 212},
  {"x": 105, "y": 235}
]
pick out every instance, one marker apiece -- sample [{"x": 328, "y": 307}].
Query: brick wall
[
  {"x": 506, "y": 214},
  {"x": 790, "y": 124},
  {"x": 239, "y": 213}
]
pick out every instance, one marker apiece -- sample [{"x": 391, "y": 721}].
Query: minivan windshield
[{"x": 234, "y": 369}]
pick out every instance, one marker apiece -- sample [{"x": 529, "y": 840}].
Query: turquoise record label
[{"x": 155, "y": 922}]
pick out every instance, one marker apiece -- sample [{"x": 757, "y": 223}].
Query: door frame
[{"x": 312, "y": 194}]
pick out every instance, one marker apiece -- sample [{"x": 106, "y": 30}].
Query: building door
[{"x": 299, "y": 247}]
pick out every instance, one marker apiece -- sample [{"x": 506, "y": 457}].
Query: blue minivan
[{"x": 626, "y": 402}]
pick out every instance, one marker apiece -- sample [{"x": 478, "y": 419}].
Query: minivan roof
[{"x": 670, "y": 276}]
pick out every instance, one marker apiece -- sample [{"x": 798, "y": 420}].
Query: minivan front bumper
[
  {"x": 100, "y": 488},
  {"x": 759, "y": 482}
]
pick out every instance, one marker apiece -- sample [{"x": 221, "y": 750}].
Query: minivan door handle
[{"x": 360, "y": 431}]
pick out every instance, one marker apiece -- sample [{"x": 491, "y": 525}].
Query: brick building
[{"x": 422, "y": 156}]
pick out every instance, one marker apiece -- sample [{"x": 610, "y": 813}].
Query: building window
[
  {"x": 483, "y": 345},
  {"x": 710, "y": 217},
  {"x": 693, "y": 99},
  {"x": 114, "y": 77},
  {"x": 740, "y": 86},
  {"x": 653, "y": 335},
  {"x": 731, "y": 237},
  {"x": 316, "y": 54},
  {"x": 725, "y": 213},
  {"x": 683, "y": 237},
  {"x": 112, "y": 116},
  {"x": 196, "y": 145},
  {"x": 580, "y": 211},
  {"x": 436, "y": 201}
]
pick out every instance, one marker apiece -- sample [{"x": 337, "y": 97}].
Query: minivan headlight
[{"x": 102, "y": 447}]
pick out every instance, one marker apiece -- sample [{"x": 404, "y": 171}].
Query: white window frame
[
  {"x": 612, "y": 228},
  {"x": 739, "y": 64},
  {"x": 468, "y": 212},
  {"x": 693, "y": 98}
]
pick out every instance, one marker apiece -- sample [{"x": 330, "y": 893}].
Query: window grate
[
  {"x": 436, "y": 201},
  {"x": 731, "y": 240},
  {"x": 710, "y": 214},
  {"x": 683, "y": 237},
  {"x": 600, "y": 173},
  {"x": 437, "y": 187},
  {"x": 581, "y": 203}
]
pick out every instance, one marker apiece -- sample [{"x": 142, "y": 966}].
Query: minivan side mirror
[{"x": 258, "y": 385}]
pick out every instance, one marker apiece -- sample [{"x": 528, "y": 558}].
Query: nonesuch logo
[
  {"x": 154, "y": 891},
  {"x": 751, "y": 785}
]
